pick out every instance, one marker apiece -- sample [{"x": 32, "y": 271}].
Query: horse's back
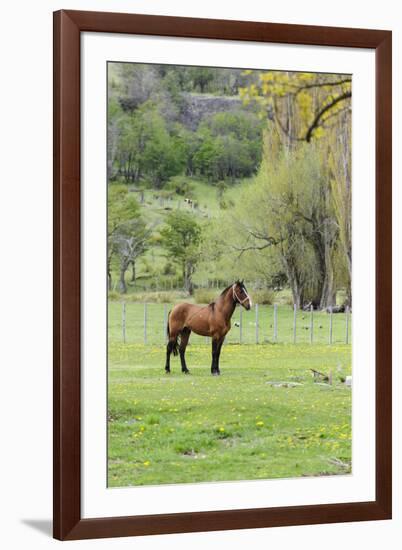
[
  {"x": 183, "y": 311},
  {"x": 191, "y": 316}
]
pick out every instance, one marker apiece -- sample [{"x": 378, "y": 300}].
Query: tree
[
  {"x": 201, "y": 77},
  {"x": 122, "y": 208},
  {"x": 341, "y": 184},
  {"x": 285, "y": 223},
  {"x": 115, "y": 116},
  {"x": 229, "y": 146},
  {"x": 302, "y": 105},
  {"x": 181, "y": 238},
  {"x": 148, "y": 149},
  {"x": 130, "y": 242}
]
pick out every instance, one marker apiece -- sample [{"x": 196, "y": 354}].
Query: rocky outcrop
[{"x": 196, "y": 107}]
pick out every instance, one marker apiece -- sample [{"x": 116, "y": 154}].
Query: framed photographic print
[{"x": 222, "y": 306}]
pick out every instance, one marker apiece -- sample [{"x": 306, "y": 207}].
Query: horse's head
[{"x": 240, "y": 295}]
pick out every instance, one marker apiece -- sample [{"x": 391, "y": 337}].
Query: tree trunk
[
  {"x": 297, "y": 294},
  {"x": 109, "y": 271},
  {"x": 187, "y": 273},
  {"x": 122, "y": 281},
  {"x": 328, "y": 293},
  {"x": 295, "y": 284},
  {"x": 133, "y": 273}
]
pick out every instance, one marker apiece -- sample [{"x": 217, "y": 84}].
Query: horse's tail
[{"x": 174, "y": 345}]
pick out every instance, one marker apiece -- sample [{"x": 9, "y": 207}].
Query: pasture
[{"x": 264, "y": 417}]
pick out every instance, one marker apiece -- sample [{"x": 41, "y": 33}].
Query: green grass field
[{"x": 197, "y": 428}]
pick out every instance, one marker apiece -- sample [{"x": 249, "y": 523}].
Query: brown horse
[{"x": 212, "y": 320}]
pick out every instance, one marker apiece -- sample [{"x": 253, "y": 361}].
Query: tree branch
[{"x": 322, "y": 112}]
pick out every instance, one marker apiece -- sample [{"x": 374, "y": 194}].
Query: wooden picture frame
[{"x": 68, "y": 26}]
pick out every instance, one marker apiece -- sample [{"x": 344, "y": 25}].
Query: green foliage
[
  {"x": 122, "y": 207},
  {"x": 181, "y": 185},
  {"x": 290, "y": 227},
  {"x": 283, "y": 227},
  {"x": 301, "y": 104},
  {"x": 181, "y": 237},
  {"x": 205, "y": 295},
  {"x": 201, "y": 77},
  {"x": 229, "y": 146},
  {"x": 263, "y": 296},
  {"x": 148, "y": 149}
]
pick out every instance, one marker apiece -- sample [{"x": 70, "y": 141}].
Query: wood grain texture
[{"x": 67, "y": 346}]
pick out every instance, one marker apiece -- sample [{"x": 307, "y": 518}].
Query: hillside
[{"x": 155, "y": 205}]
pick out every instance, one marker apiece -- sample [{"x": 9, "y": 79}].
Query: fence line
[
  {"x": 311, "y": 324},
  {"x": 282, "y": 328},
  {"x": 256, "y": 324},
  {"x": 123, "y": 321},
  {"x": 145, "y": 323},
  {"x": 165, "y": 321}
]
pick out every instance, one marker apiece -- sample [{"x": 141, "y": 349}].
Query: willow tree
[
  {"x": 302, "y": 105},
  {"x": 284, "y": 223},
  {"x": 340, "y": 167}
]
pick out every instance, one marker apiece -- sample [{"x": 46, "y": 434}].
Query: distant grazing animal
[{"x": 212, "y": 320}]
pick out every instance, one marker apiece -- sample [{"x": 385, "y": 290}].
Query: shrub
[
  {"x": 205, "y": 295},
  {"x": 168, "y": 269},
  {"x": 113, "y": 295},
  {"x": 284, "y": 297},
  {"x": 263, "y": 297},
  {"x": 157, "y": 297}
]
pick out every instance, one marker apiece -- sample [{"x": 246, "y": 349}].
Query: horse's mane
[
  {"x": 226, "y": 289},
  {"x": 230, "y": 286},
  {"x": 212, "y": 304}
]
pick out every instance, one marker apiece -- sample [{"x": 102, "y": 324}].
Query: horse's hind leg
[
  {"x": 184, "y": 338},
  {"x": 171, "y": 347}
]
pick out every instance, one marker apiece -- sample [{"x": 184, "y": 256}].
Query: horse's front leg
[
  {"x": 216, "y": 350},
  {"x": 218, "y": 354}
]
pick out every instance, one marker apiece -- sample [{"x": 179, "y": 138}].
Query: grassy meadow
[{"x": 264, "y": 417}]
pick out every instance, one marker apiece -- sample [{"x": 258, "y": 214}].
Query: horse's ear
[{"x": 242, "y": 281}]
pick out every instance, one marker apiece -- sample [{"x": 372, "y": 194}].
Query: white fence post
[
  {"x": 241, "y": 326},
  {"x": 123, "y": 320},
  {"x": 256, "y": 323},
  {"x": 347, "y": 325},
  {"x": 165, "y": 321},
  {"x": 330, "y": 324},
  {"x": 145, "y": 323},
  {"x": 311, "y": 324},
  {"x": 294, "y": 322}
]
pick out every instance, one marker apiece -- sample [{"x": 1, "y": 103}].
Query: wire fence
[{"x": 137, "y": 323}]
